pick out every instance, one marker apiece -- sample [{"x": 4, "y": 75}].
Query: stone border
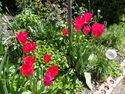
[{"x": 110, "y": 84}]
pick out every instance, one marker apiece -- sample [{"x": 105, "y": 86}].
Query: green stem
[
  {"x": 30, "y": 82},
  {"x": 3, "y": 61},
  {"x": 5, "y": 88}
]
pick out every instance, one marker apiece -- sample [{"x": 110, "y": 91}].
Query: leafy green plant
[
  {"x": 71, "y": 84},
  {"x": 53, "y": 12},
  {"x": 29, "y": 22},
  {"x": 22, "y": 4},
  {"x": 57, "y": 13},
  {"x": 86, "y": 52},
  {"x": 97, "y": 65},
  {"x": 85, "y": 55},
  {"x": 18, "y": 83},
  {"x": 113, "y": 36}
]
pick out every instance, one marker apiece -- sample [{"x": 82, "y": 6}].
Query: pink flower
[
  {"x": 79, "y": 23},
  {"x": 65, "y": 31},
  {"x": 87, "y": 29},
  {"x": 53, "y": 70},
  {"x": 29, "y": 60},
  {"x": 22, "y": 37},
  {"x": 87, "y": 17},
  {"x": 27, "y": 69},
  {"x": 47, "y": 79},
  {"x": 47, "y": 58},
  {"x": 97, "y": 29},
  {"x": 29, "y": 47}
]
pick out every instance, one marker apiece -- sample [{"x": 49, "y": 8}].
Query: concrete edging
[{"x": 110, "y": 84}]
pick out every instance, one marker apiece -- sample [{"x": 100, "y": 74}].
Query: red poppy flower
[
  {"x": 87, "y": 17},
  {"x": 65, "y": 31},
  {"x": 47, "y": 58},
  {"x": 47, "y": 79},
  {"x": 29, "y": 60},
  {"x": 87, "y": 29},
  {"x": 22, "y": 37},
  {"x": 53, "y": 70},
  {"x": 97, "y": 29},
  {"x": 79, "y": 23},
  {"x": 27, "y": 69},
  {"x": 29, "y": 47}
]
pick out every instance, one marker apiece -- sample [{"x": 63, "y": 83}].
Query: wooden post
[
  {"x": 70, "y": 30},
  {"x": 70, "y": 20}
]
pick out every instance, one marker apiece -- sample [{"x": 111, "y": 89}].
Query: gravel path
[{"x": 120, "y": 89}]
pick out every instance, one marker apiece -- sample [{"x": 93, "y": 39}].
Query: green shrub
[
  {"x": 87, "y": 54},
  {"x": 84, "y": 48},
  {"x": 34, "y": 84},
  {"x": 53, "y": 12},
  {"x": 113, "y": 36},
  {"x": 38, "y": 30},
  {"x": 22, "y": 4},
  {"x": 29, "y": 22},
  {"x": 58, "y": 59}
]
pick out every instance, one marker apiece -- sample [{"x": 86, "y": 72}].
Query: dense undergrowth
[{"x": 86, "y": 55}]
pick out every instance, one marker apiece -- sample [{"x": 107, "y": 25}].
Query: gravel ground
[{"x": 120, "y": 89}]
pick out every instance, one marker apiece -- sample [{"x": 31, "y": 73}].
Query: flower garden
[{"x": 60, "y": 46}]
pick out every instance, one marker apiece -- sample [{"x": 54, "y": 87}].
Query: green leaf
[
  {"x": 3, "y": 62},
  {"x": 34, "y": 85},
  {"x": 1, "y": 87},
  {"x": 88, "y": 80},
  {"x": 5, "y": 89},
  {"x": 27, "y": 92}
]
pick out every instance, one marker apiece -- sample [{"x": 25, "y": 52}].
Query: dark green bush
[
  {"x": 111, "y": 10},
  {"x": 9, "y": 6}
]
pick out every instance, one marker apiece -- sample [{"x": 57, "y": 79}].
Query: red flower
[
  {"x": 87, "y": 29},
  {"x": 47, "y": 58},
  {"x": 79, "y": 23},
  {"x": 48, "y": 79},
  {"x": 97, "y": 29},
  {"x": 53, "y": 70},
  {"x": 27, "y": 69},
  {"x": 65, "y": 31},
  {"x": 78, "y": 26},
  {"x": 87, "y": 17},
  {"x": 79, "y": 19},
  {"x": 29, "y": 60},
  {"x": 22, "y": 37},
  {"x": 29, "y": 47}
]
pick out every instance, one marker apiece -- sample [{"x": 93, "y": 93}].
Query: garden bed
[{"x": 44, "y": 53}]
